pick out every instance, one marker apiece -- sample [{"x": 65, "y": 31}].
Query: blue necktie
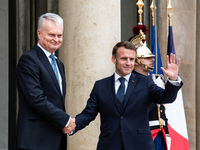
[
  {"x": 53, "y": 64},
  {"x": 121, "y": 90}
]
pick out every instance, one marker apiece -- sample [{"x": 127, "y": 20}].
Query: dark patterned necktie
[
  {"x": 121, "y": 90},
  {"x": 53, "y": 64}
]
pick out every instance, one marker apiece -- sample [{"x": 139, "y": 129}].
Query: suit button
[{"x": 122, "y": 117}]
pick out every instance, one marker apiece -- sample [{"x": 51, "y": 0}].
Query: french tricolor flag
[{"x": 175, "y": 112}]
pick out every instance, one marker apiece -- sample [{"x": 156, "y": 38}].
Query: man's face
[
  {"x": 124, "y": 61},
  {"x": 50, "y": 36},
  {"x": 149, "y": 61}
]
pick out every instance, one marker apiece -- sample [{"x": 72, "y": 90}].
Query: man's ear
[
  {"x": 113, "y": 60},
  {"x": 38, "y": 34}
]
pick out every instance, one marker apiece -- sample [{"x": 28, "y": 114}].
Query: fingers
[
  {"x": 167, "y": 60},
  {"x": 67, "y": 130},
  {"x": 73, "y": 120},
  {"x": 71, "y": 126},
  {"x": 164, "y": 71},
  {"x": 178, "y": 62},
  {"x": 172, "y": 67},
  {"x": 172, "y": 59}
]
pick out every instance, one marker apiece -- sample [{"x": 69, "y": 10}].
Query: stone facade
[
  {"x": 91, "y": 29},
  {"x": 89, "y": 36}
]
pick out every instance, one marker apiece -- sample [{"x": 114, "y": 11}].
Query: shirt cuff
[
  {"x": 68, "y": 122},
  {"x": 177, "y": 82}
]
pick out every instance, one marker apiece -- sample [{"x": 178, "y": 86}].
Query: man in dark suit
[
  {"x": 42, "y": 87},
  {"x": 124, "y": 118}
]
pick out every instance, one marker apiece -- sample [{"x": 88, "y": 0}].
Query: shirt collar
[
  {"x": 47, "y": 53},
  {"x": 127, "y": 77}
]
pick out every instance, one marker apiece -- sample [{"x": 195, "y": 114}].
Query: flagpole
[
  {"x": 152, "y": 12},
  {"x": 140, "y": 4},
  {"x": 169, "y": 7},
  {"x": 153, "y": 9}
]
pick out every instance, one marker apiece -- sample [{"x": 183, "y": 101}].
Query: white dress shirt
[
  {"x": 117, "y": 82},
  {"x": 47, "y": 53}
]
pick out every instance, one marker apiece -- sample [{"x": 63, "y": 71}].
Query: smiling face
[
  {"x": 124, "y": 61},
  {"x": 50, "y": 36}
]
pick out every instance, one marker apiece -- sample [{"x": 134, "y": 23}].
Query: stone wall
[{"x": 4, "y": 75}]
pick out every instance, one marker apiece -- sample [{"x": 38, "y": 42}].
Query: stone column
[
  {"x": 91, "y": 29},
  {"x": 4, "y": 42},
  {"x": 198, "y": 78}
]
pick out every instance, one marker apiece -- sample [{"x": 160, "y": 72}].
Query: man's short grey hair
[{"x": 49, "y": 16}]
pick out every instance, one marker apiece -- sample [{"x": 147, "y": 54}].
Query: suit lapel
[
  {"x": 130, "y": 88},
  {"x": 62, "y": 76},
  {"x": 111, "y": 88},
  {"x": 47, "y": 65}
]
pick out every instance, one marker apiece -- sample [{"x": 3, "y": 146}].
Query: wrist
[{"x": 173, "y": 79}]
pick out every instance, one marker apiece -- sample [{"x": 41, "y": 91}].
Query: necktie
[
  {"x": 53, "y": 64},
  {"x": 121, "y": 90}
]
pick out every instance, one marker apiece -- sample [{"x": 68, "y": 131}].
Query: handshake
[{"x": 70, "y": 128}]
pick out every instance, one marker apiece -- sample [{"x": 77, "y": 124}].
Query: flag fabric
[
  {"x": 158, "y": 78},
  {"x": 175, "y": 112},
  {"x": 156, "y": 51}
]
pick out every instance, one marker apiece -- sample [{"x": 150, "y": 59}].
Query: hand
[
  {"x": 71, "y": 126},
  {"x": 172, "y": 68}
]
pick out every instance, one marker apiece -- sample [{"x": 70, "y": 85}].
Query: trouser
[{"x": 159, "y": 142}]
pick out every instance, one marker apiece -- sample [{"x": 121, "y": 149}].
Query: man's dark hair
[{"x": 126, "y": 44}]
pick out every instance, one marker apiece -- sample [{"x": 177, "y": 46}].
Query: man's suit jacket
[
  {"x": 41, "y": 115},
  {"x": 153, "y": 113},
  {"x": 129, "y": 124}
]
